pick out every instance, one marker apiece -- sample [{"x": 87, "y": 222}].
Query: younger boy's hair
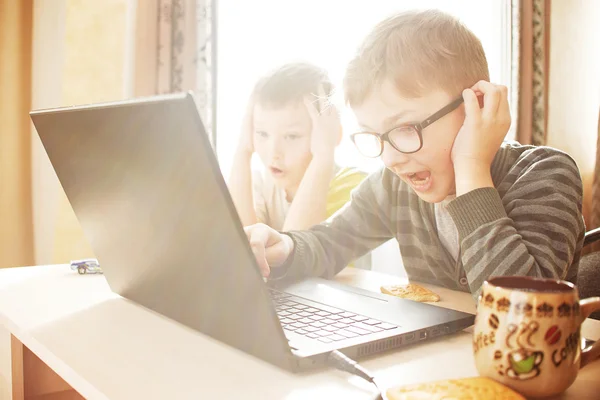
[
  {"x": 419, "y": 51},
  {"x": 289, "y": 83}
]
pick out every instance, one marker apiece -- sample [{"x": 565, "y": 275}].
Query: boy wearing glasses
[{"x": 463, "y": 205}]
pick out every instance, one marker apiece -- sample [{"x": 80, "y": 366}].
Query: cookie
[
  {"x": 465, "y": 389},
  {"x": 411, "y": 291}
]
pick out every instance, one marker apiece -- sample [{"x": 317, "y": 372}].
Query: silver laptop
[{"x": 146, "y": 187}]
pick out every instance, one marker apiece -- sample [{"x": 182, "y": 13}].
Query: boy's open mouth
[
  {"x": 420, "y": 180},
  {"x": 276, "y": 171}
]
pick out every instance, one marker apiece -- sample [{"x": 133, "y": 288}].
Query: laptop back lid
[{"x": 145, "y": 185}]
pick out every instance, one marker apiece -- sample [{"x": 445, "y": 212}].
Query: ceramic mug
[{"x": 527, "y": 334}]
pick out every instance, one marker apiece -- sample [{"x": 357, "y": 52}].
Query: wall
[{"x": 574, "y": 86}]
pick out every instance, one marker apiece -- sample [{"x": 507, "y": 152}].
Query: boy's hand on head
[
  {"x": 326, "y": 125},
  {"x": 270, "y": 247},
  {"x": 481, "y": 135},
  {"x": 485, "y": 127},
  {"x": 246, "y": 140}
]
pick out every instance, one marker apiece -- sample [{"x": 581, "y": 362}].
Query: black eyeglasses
[{"x": 405, "y": 138}]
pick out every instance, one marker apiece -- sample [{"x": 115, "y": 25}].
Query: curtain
[
  {"x": 16, "y": 226},
  {"x": 531, "y": 44},
  {"x": 175, "y": 52}
]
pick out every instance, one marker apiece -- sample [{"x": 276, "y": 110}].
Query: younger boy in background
[{"x": 294, "y": 129}]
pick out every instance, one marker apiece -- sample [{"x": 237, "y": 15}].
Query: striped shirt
[{"x": 529, "y": 224}]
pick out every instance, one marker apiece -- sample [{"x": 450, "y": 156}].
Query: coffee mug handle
[{"x": 588, "y": 306}]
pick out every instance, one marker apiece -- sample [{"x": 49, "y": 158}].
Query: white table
[{"x": 73, "y": 337}]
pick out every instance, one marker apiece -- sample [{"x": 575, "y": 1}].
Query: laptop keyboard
[{"x": 321, "y": 322}]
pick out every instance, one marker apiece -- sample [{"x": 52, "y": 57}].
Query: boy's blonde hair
[
  {"x": 290, "y": 83},
  {"x": 419, "y": 51}
]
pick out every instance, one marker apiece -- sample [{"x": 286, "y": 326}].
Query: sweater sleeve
[
  {"x": 363, "y": 224},
  {"x": 535, "y": 228}
]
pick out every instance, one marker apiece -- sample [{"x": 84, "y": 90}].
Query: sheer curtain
[{"x": 174, "y": 51}]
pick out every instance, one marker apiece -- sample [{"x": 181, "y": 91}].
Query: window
[{"x": 255, "y": 36}]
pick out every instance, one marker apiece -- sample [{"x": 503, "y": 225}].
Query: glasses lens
[
  {"x": 405, "y": 139},
  {"x": 368, "y": 144}
]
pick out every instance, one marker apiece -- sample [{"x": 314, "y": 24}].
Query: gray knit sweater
[{"x": 529, "y": 224}]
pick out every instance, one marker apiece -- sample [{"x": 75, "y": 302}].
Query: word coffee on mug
[{"x": 527, "y": 334}]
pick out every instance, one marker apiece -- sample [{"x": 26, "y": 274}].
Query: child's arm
[
  {"x": 532, "y": 223},
  {"x": 338, "y": 190},
  {"x": 240, "y": 180},
  {"x": 240, "y": 187},
  {"x": 364, "y": 224},
  {"x": 309, "y": 206}
]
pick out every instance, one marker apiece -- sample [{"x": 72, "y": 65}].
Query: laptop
[{"x": 146, "y": 187}]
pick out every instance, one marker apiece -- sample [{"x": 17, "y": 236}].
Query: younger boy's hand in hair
[
  {"x": 270, "y": 248},
  {"x": 481, "y": 135},
  {"x": 326, "y": 126}
]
